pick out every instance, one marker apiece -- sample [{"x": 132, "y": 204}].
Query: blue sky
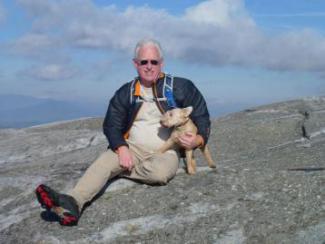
[{"x": 237, "y": 52}]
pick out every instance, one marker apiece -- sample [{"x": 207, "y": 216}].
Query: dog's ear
[{"x": 187, "y": 111}]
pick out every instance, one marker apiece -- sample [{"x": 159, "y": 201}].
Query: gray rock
[{"x": 268, "y": 186}]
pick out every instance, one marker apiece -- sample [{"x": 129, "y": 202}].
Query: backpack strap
[
  {"x": 168, "y": 91},
  {"x": 135, "y": 91},
  {"x": 168, "y": 95}
]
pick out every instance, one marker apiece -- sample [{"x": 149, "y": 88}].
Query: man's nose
[{"x": 149, "y": 65}]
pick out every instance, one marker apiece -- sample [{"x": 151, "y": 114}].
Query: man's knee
[
  {"x": 158, "y": 171},
  {"x": 160, "y": 175},
  {"x": 158, "y": 178}
]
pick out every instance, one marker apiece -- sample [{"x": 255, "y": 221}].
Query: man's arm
[
  {"x": 125, "y": 157},
  {"x": 189, "y": 140},
  {"x": 114, "y": 123},
  {"x": 189, "y": 95},
  {"x": 116, "y": 118}
]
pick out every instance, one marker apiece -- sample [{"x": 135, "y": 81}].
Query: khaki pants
[{"x": 148, "y": 168}]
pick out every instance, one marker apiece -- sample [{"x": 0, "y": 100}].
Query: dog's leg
[
  {"x": 193, "y": 163},
  {"x": 190, "y": 162},
  {"x": 206, "y": 152},
  {"x": 168, "y": 144}
]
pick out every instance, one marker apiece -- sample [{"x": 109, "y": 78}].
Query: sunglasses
[{"x": 145, "y": 62}]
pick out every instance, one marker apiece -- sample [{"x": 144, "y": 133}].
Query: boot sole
[{"x": 46, "y": 200}]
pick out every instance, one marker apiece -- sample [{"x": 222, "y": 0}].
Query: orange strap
[
  {"x": 126, "y": 135},
  {"x": 137, "y": 90}
]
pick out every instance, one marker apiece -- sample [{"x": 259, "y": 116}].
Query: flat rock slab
[{"x": 268, "y": 186}]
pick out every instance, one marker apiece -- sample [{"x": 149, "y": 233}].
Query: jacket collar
[{"x": 137, "y": 86}]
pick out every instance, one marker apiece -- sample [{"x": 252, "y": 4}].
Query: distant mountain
[
  {"x": 17, "y": 111},
  {"x": 9, "y": 102},
  {"x": 217, "y": 109}
]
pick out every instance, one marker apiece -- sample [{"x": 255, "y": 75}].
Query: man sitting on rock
[{"x": 132, "y": 127}]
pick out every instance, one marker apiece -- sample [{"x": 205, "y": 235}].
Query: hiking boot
[{"x": 64, "y": 206}]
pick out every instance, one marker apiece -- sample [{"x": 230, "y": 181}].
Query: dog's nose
[{"x": 163, "y": 123}]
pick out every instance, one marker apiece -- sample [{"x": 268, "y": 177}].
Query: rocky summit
[{"x": 269, "y": 185}]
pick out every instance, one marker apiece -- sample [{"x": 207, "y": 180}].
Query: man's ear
[
  {"x": 135, "y": 63},
  {"x": 161, "y": 63},
  {"x": 187, "y": 111}
]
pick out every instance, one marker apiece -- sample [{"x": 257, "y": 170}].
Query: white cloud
[
  {"x": 303, "y": 50},
  {"x": 218, "y": 12},
  {"x": 214, "y": 32},
  {"x": 2, "y": 13},
  {"x": 33, "y": 44},
  {"x": 50, "y": 72}
]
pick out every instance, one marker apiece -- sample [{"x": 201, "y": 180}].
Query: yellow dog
[{"x": 180, "y": 120}]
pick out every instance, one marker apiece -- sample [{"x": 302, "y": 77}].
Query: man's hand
[
  {"x": 125, "y": 157},
  {"x": 190, "y": 140}
]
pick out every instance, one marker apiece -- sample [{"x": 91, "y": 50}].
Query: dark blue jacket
[{"x": 122, "y": 109}]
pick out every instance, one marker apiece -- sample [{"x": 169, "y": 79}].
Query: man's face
[{"x": 148, "y": 64}]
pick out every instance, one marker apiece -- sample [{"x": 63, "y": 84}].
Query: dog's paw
[{"x": 191, "y": 170}]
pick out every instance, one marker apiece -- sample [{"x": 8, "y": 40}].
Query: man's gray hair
[{"x": 147, "y": 42}]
